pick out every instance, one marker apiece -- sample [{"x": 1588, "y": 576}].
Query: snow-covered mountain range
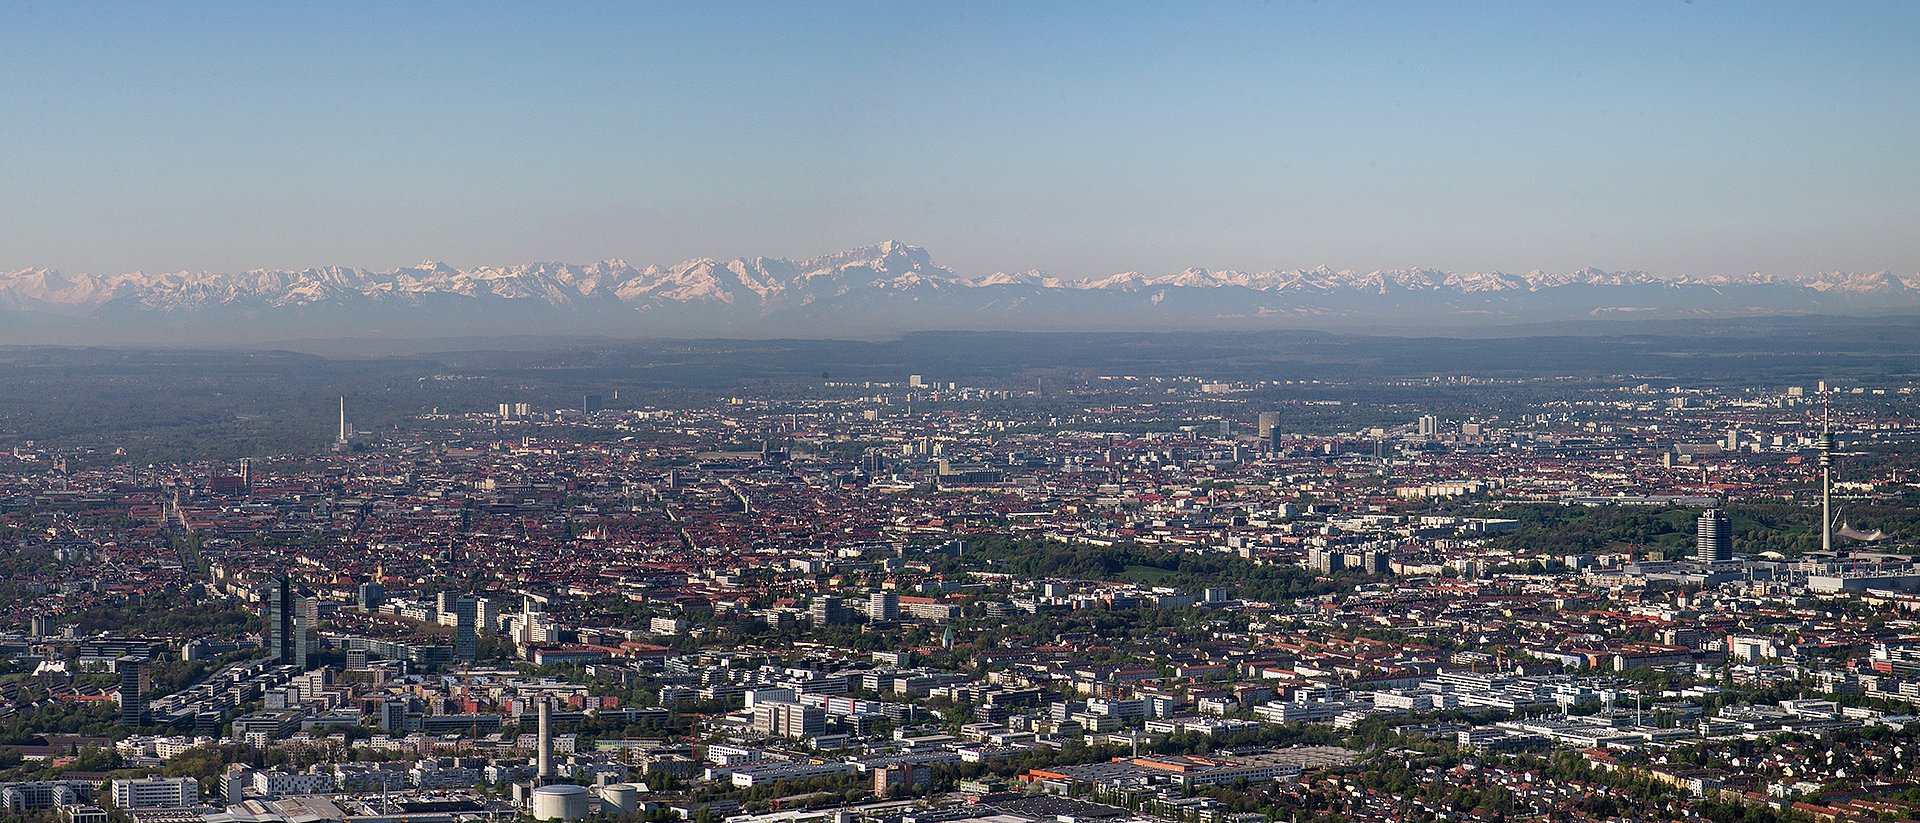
[{"x": 880, "y": 289}]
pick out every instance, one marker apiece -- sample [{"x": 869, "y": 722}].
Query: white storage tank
[
  {"x": 619, "y": 798},
  {"x": 560, "y": 801}
]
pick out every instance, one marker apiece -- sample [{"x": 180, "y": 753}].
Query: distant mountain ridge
[{"x": 880, "y": 289}]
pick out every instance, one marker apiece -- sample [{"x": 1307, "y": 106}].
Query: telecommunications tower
[{"x": 1825, "y": 446}]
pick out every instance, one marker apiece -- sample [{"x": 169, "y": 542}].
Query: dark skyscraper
[
  {"x": 286, "y": 624},
  {"x": 279, "y": 616},
  {"x": 371, "y": 595},
  {"x": 466, "y": 642},
  {"x": 133, "y": 704},
  {"x": 1713, "y": 537}
]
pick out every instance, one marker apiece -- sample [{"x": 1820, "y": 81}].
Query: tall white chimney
[{"x": 546, "y": 740}]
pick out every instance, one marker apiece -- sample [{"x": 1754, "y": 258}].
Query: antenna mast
[{"x": 1826, "y": 473}]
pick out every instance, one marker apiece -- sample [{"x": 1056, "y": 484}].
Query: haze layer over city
[{"x": 959, "y": 413}]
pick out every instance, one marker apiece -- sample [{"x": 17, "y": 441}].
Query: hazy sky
[{"x": 1083, "y": 139}]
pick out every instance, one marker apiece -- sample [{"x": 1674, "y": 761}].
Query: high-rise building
[
  {"x": 301, "y": 624},
  {"x": 883, "y": 606},
  {"x": 1268, "y": 420},
  {"x": 1376, "y": 562},
  {"x": 371, "y": 595},
  {"x": 279, "y": 613},
  {"x": 466, "y": 641},
  {"x": 1429, "y": 426},
  {"x": 1713, "y": 537},
  {"x": 827, "y": 611},
  {"x": 286, "y": 624},
  {"x": 534, "y": 627},
  {"x": 133, "y": 689},
  {"x": 486, "y": 615},
  {"x": 791, "y": 720},
  {"x": 1326, "y": 561},
  {"x": 42, "y": 626}
]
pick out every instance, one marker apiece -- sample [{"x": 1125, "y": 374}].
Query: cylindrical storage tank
[
  {"x": 560, "y": 801},
  {"x": 619, "y": 798}
]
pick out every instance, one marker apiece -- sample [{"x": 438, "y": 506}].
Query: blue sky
[{"x": 1082, "y": 139}]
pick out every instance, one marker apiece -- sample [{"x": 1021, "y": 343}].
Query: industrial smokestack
[{"x": 546, "y": 741}]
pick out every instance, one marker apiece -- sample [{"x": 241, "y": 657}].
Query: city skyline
[
  {"x": 974, "y": 412},
  {"x": 1678, "y": 139},
  {"x": 1142, "y": 588}
]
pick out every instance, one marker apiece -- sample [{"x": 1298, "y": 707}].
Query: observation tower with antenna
[{"x": 1825, "y": 446}]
